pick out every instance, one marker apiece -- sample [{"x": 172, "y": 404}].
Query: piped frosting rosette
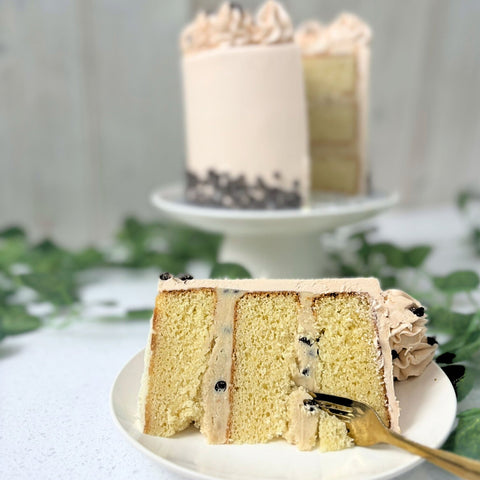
[
  {"x": 231, "y": 26},
  {"x": 342, "y": 35},
  {"x": 411, "y": 350},
  {"x": 272, "y": 25}
]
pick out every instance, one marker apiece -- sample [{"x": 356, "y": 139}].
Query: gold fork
[{"x": 366, "y": 428}]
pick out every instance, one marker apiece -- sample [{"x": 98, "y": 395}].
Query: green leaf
[
  {"x": 448, "y": 321},
  {"x": 349, "y": 271},
  {"x": 462, "y": 199},
  {"x": 392, "y": 254},
  {"x": 465, "y": 439},
  {"x": 416, "y": 256},
  {"x": 14, "y": 319},
  {"x": 465, "y": 384},
  {"x": 139, "y": 314},
  {"x": 466, "y": 196},
  {"x": 470, "y": 348},
  {"x": 229, "y": 270},
  {"x": 465, "y": 345},
  {"x": 462, "y": 379},
  {"x": 13, "y": 232},
  {"x": 88, "y": 258},
  {"x": 476, "y": 240},
  {"x": 57, "y": 288},
  {"x": 13, "y": 250},
  {"x": 166, "y": 245},
  {"x": 459, "y": 281},
  {"x": 388, "y": 281}
]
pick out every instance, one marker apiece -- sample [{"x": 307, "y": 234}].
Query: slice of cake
[
  {"x": 336, "y": 67},
  {"x": 237, "y": 358},
  {"x": 245, "y": 110}
]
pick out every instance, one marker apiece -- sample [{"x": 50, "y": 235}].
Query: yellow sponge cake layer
[
  {"x": 333, "y": 122},
  {"x": 264, "y": 353},
  {"x": 180, "y": 326},
  {"x": 348, "y": 350},
  {"x": 335, "y": 169},
  {"x": 328, "y": 76}
]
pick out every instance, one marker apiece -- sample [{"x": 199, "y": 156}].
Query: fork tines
[{"x": 341, "y": 407}]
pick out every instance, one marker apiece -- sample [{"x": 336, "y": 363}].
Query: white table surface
[{"x": 55, "y": 420}]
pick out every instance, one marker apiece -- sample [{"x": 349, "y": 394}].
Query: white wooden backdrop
[{"x": 91, "y": 116}]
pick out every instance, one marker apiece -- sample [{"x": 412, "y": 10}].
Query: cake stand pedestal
[{"x": 274, "y": 243}]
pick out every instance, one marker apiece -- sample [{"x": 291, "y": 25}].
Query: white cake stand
[{"x": 274, "y": 243}]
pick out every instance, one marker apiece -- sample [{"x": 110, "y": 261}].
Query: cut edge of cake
[{"x": 221, "y": 395}]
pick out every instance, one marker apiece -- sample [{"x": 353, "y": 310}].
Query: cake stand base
[
  {"x": 288, "y": 256},
  {"x": 275, "y": 243}
]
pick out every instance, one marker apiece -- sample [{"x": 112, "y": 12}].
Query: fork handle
[{"x": 460, "y": 466}]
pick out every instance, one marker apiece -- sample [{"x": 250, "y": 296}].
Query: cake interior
[
  {"x": 281, "y": 344},
  {"x": 336, "y": 112},
  {"x": 348, "y": 351},
  {"x": 264, "y": 353},
  {"x": 181, "y": 327}
]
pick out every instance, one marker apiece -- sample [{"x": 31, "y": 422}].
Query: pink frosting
[
  {"x": 342, "y": 35},
  {"x": 230, "y": 26},
  {"x": 407, "y": 335}
]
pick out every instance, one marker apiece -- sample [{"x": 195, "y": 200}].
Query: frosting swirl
[
  {"x": 342, "y": 35},
  {"x": 406, "y": 320},
  {"x": 273, "y": 24},
  {"x": 230, "y": 26}
]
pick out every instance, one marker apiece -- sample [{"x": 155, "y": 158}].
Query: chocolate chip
[
  {"x": 306, "y": 372},
  {"x": 432, "y": 341},
  {"x": 447, "y": 357},
  {"x": 418, "y": 311},
  {"x": 165, "y": 276},
  {"x": 310, "y": 405},
  {"x": 306, "y": 340},
  {"x": 185, "y": 276},
  {"x": 224, "y": 190},
  {"x": 220, "y": 386},
  {"x": 394, "y": 354},
  {"x": 454, "y": 373}
]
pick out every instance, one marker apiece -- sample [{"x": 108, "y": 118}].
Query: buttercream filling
[{"x": 217, "y": 387}]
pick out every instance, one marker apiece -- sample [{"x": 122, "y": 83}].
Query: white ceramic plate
[{"x": 428, "y": 408}]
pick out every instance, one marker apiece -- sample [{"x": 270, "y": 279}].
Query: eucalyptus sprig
[{"x": 45, "y": 272}]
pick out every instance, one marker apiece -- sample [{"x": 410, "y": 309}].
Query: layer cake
[{"x": 245, "y": 110}]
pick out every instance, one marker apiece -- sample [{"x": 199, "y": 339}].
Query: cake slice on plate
[{"x": 237, "y": 358}]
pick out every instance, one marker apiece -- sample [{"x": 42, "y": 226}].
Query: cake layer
[
  {"x": 333, "y": 122},
  {"x": 335, "y": 170},
  {"x": 181, "y": 325},
  {"x": 264, "y": 358},
  {"x": 237, "y": 357},
  {"x": 348, "y": 349},
  {"x": 328, "y": 76}
]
